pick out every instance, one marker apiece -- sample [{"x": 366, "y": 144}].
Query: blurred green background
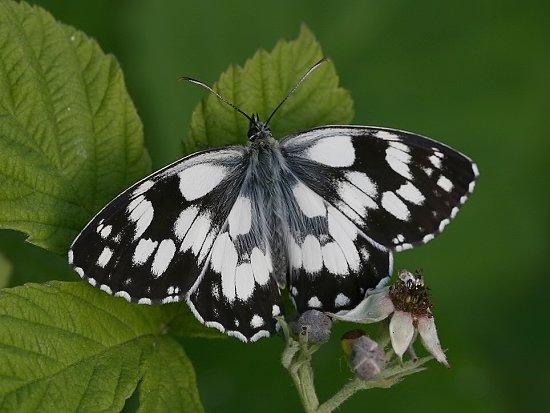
[{"x": 474, "y": 74}]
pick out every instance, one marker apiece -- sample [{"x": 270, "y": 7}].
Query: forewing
[
  {"x": 399, "y": 188},
  {"x": 150, "y": 243}
]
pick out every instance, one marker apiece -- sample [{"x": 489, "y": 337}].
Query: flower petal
[
  {"x": 375, "y": 307},
  {"x": 401, "y": 332},
  {"x": 428, "y": 334}
]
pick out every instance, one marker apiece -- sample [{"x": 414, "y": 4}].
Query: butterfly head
[{"x": 257, "y": 129}]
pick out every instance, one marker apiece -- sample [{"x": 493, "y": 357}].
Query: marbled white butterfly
[{"x": 319, "y": 212}]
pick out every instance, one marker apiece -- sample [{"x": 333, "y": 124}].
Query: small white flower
[{"x": 409, "y": 302}]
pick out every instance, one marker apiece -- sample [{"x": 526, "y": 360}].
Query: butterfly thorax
[{"x": 264, "y": 186}]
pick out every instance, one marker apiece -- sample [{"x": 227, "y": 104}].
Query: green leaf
[
  {"x": 68, "y": 347},
  {"x": 5, "y": 271},
  {"x": 70, "y": 137},
  {"x": 260, "y": 85},
  {"x": 31, "y": 263},
  {"x": 169, "y": 383}
]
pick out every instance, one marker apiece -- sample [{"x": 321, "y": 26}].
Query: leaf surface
[
  {"x": 169, "y": 383},
  {"x": 68, "y": 347},
  {"x": 260, "y": 85},
  {"x": 70, "y": 137}
]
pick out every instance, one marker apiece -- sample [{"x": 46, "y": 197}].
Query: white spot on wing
[
  {"x": 454, "y": 211},
  {"x": 260, "y": 334},
  {"x": 259, "y": 266},
  {"x": 143, "y": 251},
  {"x": 124, "y": 295},
  {"x": 435, "y": 161},
  {"x": 295, "y": 254},
  {"x": 398, "y": 161},
  {"x": 70, "y": 256},
  {"x": 105, "y": 231},
  {"x": 363, "y": 182},
  {"x": 146, "y": 301},
  {"x": 411, "y": 193},
  {"x": 336, "y": 151},
  {"x": 183, "y": 223},
  {"x": 355, "y": 198},
  {"x": 395, "y": 206},
  {"x": 196, "y": 234},
  {"x": 216, "y": 325},
  {"x": 310, "y": 203},
  {"x": 198, "y": 180},
  {"x": 144, "y": 187},
  {"x": 403, "y": 247},
  {"x": 344, "y": 233},
  {"x": 236, "y": 334},
  {"x": 244, "y": 281},
  {"x": 311, "y": 254},
  {"x": 141, "y": 212},
  {"x": 341, "y": 300},
  {"x": 240, "y": 217},
  {"x": 275, "y": 311},
  {"x": 256, "y": 321},
  {"x": 444, "y": 183},
  {"x": 105, "y": 288},
  {"x": 104, "y": 257},
  {"x": 428, "y": 238},
  {"x": 163, "y": 257},
  {"x": 334, "y": 259},
  {"x": 387, "y": 136},
  {"x": 400, "y": 145},
  {"x": 224, "y": 261},
  {"x": 314, "y": 302}
]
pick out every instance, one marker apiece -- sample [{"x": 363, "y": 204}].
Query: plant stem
[
  {"x": 303, "y": 380},
  {"x": 305, "y": 373},
  {"x": 340, "y": 397}
]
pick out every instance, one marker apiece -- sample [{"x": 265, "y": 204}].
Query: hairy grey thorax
[{"x": 266, "y": 165}]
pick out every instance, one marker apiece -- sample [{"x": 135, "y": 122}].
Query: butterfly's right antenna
[
  {"x": 220, "y": 97},
  {"x": 296, "y": 86}
]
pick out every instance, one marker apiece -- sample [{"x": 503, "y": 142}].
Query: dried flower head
[
  {"x": 410, "y": 294},
  {"x": 409, "y": 303}
]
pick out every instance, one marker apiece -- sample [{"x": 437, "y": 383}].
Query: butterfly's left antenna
[
  {"x": 220, "y": 97},
  {"x": 296, "y": 86}
]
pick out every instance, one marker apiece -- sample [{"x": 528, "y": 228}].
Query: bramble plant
[{"x": 70, "y": 141}]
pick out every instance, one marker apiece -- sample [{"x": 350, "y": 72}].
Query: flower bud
[
  {"x": 348, "y": 340},
  {"x": 315, "y": 324},
  {"x": 367, "y": 358}
]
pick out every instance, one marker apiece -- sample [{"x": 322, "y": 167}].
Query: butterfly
[{"x": 318, "y": 213}]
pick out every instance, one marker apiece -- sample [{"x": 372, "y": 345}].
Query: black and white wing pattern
[
  {"x": 331, "y": 262},
  {"x": 240, "y": 276},
  {"x": 178, "y": 235},
  {"x": 398, "y": 188}
]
